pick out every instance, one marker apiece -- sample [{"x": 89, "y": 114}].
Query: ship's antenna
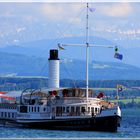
[
  {"x": 87, "y": 26},
  {"x": 87, "y": 52}
]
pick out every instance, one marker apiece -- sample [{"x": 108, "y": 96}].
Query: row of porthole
[
  {"x": 7, "y": 115},
  {"x": 73, "y": 109},
  {"x": 4, "y": 107},
  {"x": 7, "y": 106},
  {"x": 35, "y": 109}
]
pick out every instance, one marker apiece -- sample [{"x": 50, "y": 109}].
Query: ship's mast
[
  {"x": 87, "y": 45},
  {"x": 87, "y": 48},
  {"x": 87, "y": 52}
]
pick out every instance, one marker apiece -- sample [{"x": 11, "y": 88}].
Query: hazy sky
[
  {"x": 116, "y": 22},
  {"x": 24, "y": 22}
]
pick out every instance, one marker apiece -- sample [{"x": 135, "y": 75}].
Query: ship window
[
  {"x": 12, "y": 115},
  {"x": 44, "y": 109},
  {"x": 95, "y": 109},
  {"x": 72, "y": 109},
  {"x": 8, "y": 115},
  {"x": 1, "y": 114},
  {"x": 29, "y": 109},
  {"x": 57, "y": 111},
  {"x": 38, "y": 109},
  {"x": 88, "y": 109},
  {"x": 83, "y": 109},
  {"x": 5, "y": 114},
  {"x": 63, "y": 109},
  {"x": 77, "y": 110},
  {"x": 92, "y": 109},
  {"x": 67, "y": 109},
  {"x": 34, "y": 109},
  {"x": 60, "y": 111},
  {"x": 23, "y": 109}
]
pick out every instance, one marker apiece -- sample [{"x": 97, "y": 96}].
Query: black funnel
[{"x": 53, "y": 55}]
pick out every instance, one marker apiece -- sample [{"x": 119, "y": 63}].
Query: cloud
[
  {"x": 20, "y": 29},
  {"x": 15, "y": 41},
  {"x": 62, "y": 12},
  {"x": 100, "y": 66},
  {"x": 117, "y": 10},
  {"x": 33, "y": 21},
  {"x": 129, "y": 32}
]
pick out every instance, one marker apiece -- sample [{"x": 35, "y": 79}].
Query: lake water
[{"x": 130, "y": 128}]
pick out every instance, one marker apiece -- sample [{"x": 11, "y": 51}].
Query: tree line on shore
[{"x": 106, "y": 86}]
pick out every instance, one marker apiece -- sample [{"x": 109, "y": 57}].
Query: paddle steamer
[{"x": 62, "y": 108}]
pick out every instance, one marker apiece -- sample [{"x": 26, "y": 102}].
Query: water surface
[{"x": 130, "y": 128}]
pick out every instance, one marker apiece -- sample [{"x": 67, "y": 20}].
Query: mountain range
[
  {"x": 40, "y": 48},
  {"x": 23, "y": 65},
  {"x": 31, "y": 59}
]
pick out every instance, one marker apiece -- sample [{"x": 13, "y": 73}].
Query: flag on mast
[
  {"x": 120, "y": 88},
  {"x": 60, "y": 47},
  {"x": 118, "y": 55},
  {"x": 92, "y": 9}
]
